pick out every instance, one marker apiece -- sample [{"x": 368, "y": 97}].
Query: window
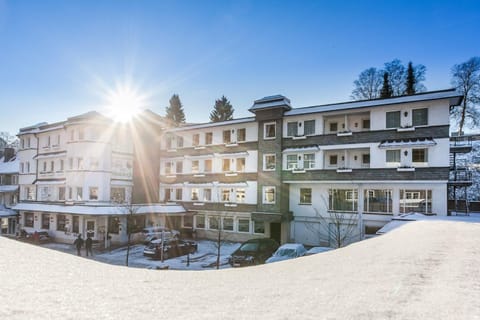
[
  {"x": 62, "y": 165},
  {"x": 187, "y": 221},
  {"x": 80, "y": 163},
  {"x": 268, "y": 195},
  {"x": 196, "y": 140},
  {"x": 366, "y": 158},
  {"x": 169, "y": 141},
  {"x": 269, "y": 162},
  {"x": 195, "y": 164},
  {"x": 309, "y": 160},
  {"x": 366, "y": 123},
  {"x": 342, "y": 200},
  {"x": 292, "y": 129},
  {"x": 207, "y": 194},
  {"x": 30, "y": 193},
  {"x": 241, "y": 135},
  {"x": 80, "y": 134},
  {"x": 93, "y": 193},
  {"x": 227, "y": 224},
  {"x": 309, "y": 127},
  {"x": 75, "y": 224},
  {"x": 333, "y": 160},
  {"x": 225, "y": 165},
  {"x": 393, "y": 119},
  {"x": 240, "y": 195},
  {"x": 243, "y": 225},
  {"x": 52, "y": 166},
  {"x": 200, "y": 221},
  {"x": 28, "y": 219},
  {"x": 61, "y": 222},
  {"x": 393, "y": 156},
  {"x": 28, "y": 167},
  {"x": 194, "y": 195},
  {"x": 213, "y": 222},
  {"x": 227, "y": 136},
  {"x": 117, "y": 195},
  {"x": 292, "y": 161},
  {"x": 259, "y": 227},
  {"x": 305, "y": 196},
  {"x": 420, "y": 117},
  {"x": 225, "y": 194},
  {"x": 208, "y": 165},
  {"x": 416, "y": 201},
  {"x": 72, "y": 135},
  {"x": 378, "y": 201},
  {"x": 179, "y": 142},
  {"x": 419, "y": 155},
  {"x": 178, "y": 194},
  {"x": 208, "y": 138},
  {"x": 333, "y": 126},
  {"x": 113, "y": 225},
  {"x": 240, "y": 164},
  {"x": 44, "y": 166},
  {"x": 167, "y": 194},
  {"x": 79, "y": 193},
  {"x": 70, "y": 163},
  {"x": 45, "y": 221},
  {"x": 269, "y": 131},
  {"x": 168, "y": 167},
  {"x": 61, "y": 193},
  {"x": 179, "y": 167},
  {"x": 21, "y": 167}
]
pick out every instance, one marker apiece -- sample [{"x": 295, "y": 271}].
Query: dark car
[
  {"x": 171, "y": 248},
  {"x": 253, "y": 252}
]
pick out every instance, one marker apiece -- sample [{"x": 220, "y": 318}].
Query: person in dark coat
[
  {"x": 78, "y": 244},
  {"x": 88, "y": 246}
]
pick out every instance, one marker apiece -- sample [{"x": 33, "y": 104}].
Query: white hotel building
[{"x": 278, "y": 174}]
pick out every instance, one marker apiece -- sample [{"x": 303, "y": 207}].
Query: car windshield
[
  {"x": 250, "y": 246},
  {"x": 285, "y": 253}
]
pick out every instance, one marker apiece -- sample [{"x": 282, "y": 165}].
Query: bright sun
[{"x": 124, "y": 103}]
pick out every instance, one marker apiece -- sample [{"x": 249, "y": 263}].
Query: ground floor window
[
  {"x": 61, "y": 222},
  {"x": 227, "y": 224},
  {"x": 416, "y": 201},
  {"x": 117, "y": 195},
  {"x": 200, "y": 221},
  {"x": 28, "y": 219},
  {"x": 45, "y": 221},
  {"x": 305, "y": 196},
  {"x": 213, "y": 223},
  {"x": 243, "y": 225},
  {"x": 342, "y": 200},
  {"x": 378, "y": 201},
  {"x": 187, "y": 221},
  {"x": 113, "y": 225},
  {"x": 259, "y": 227}
]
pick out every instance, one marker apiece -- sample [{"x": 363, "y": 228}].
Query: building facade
[{"x": 8, "y": 191}]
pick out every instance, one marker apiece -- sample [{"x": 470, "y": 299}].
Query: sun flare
[{"x": 124, "y": 103}]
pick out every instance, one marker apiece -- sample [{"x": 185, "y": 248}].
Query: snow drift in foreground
[{"x": 424, "y": 270}]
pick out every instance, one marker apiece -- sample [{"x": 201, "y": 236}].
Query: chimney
[{"x": 8, "y": 154}]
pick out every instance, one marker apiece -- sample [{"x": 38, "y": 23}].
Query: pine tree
[
  {"x": 386, "y": 91},
  {"x": 174, "y": 113},
  {"x": 222, "y": 111},
  {"x": 410, "y": 82}
]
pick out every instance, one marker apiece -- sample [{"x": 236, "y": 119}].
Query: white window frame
[
  {"x": 265, "y": 191},
  {"x": 265, "y": 131},
  {"x": 265, "y": 162}
]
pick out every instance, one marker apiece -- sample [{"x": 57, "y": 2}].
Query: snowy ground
[
  {"x": 204, "y": 258},
  {"x": 423, "y": 270}
]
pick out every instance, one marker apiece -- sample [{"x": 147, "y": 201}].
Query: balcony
[{"x": 460, "y": 144}]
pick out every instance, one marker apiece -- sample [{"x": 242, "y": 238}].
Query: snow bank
[{"x": 424, "y": 270}]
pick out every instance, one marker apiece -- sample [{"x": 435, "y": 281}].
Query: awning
[
  {"x": 266, "y": 217},
  {"x": 5, "y": 212},
  {"x": 101, "y": 210},
  {"x": 8, "y": 188},
  {"x": 404, "y": 143},
  {"x": 305, "y": 149}
]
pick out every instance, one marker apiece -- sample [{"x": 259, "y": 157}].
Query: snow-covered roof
[
  {"x": 8, "y": 188},
  {"x": 5, "y": 212},
  {"x": 232, "y": 154},
  {"x": 304, "y": 149},
  {"x": 415, "y": 142},
  {"x": 99, "y": 210},
  {"x": 291, "y": 245},
  {"x": 211, "y": 124},
  {"x": 271, "y": 102},
  {"x": 9, "y": 167},
  {"x": 454, "y": 99}
]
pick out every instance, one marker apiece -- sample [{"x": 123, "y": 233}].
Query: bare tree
[
  {"x": 132, "y": 223},
  {"x": 221, "y": 236},
  {"x": 339, "y": 228},
  {"x": 466, "y": 78},
  {"x": 368, "y": 84}
]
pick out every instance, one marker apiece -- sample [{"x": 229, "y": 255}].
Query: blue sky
[{"x": 58, "y": 58}]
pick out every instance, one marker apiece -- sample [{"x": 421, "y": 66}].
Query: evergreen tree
[
  {"x": 386, "y": 91},
  {"x": 223, "y": 110},
  {"x": 174, "y": 113},
  {"x": 410, "y": 83}
]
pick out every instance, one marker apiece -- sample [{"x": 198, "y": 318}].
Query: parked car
[
  {"x": 41, "y": 236},
  {"x": 154, "y": 233},
  {"x": 252, "y": 252},
  {"x": 287, "y": 251},
  {"x": 315, "y": 250},
  {"x": 171, "y": 248}
]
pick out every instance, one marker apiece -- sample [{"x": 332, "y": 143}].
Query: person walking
[
  {"x": 88, "y": 245},
  {"x": 78, "y": 244}
]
